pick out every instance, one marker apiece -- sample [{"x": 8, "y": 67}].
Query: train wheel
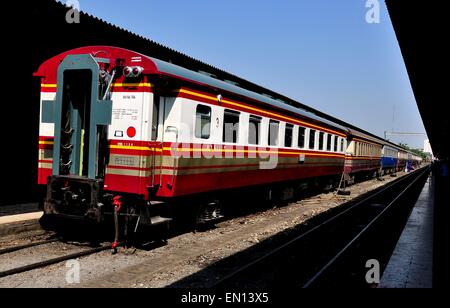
[{"x": 209, "y": 213}]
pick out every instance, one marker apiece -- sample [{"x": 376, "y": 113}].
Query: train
[{"x": 125, "y": 134}]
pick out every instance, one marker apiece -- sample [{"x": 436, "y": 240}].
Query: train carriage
[
  {"x": 402, "y": 159},
  {"x": 417, "y": 160},
  {"x": 389, "y": 158},
  {"x": 413, "y": 161},
  {"x": 363, "y": 155},
  {"x": 120, "y": 129}
]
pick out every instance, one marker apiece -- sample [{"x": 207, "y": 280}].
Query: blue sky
[{"x": 322, "y": 53}]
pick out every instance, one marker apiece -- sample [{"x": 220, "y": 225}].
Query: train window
[
  {"x": 288, "y": 135},
  {"x": 203, "y": 122},
  {"x": 321, "y": 140},
  {"x": 312, "y": 139},
  {"x": 301, "y": 137},
  {"x": 342, "y": 145},
  {"x": 274, "y": 127},
  {"x": 230, "y": 126},
  {"x": 328, "y": 142},
  {"x": 336, "y": 138},
  {"x": 254, "y": 130}
]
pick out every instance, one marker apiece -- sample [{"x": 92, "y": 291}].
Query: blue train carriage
[
  {"x": 389, "y": 158},
  {"x": 414, "y": 161},
  {"x": 409, "y": 162}
]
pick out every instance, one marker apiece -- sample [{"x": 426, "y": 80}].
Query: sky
[{"x": 322, "y": 53}]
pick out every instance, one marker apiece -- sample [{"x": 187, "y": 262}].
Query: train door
[
  {"x": 156, "y": 138},
  {"x": 81, "y": 116},
  {"x": 169, "y": 134}
]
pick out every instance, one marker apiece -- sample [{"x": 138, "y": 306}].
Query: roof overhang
[{"x": 420, "y": 32}]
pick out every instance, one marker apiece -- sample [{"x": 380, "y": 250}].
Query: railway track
[
  {"x": 334, "y": 252},
  {"x": 47, "y": 262},
  {"x": 376, "y": 201},
  {"x": 25, "y": 246}
]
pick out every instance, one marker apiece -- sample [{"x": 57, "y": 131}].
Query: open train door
[{"x": 81, "y": 114}]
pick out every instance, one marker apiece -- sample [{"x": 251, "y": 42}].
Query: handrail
[{"x": 173, "y": 129}]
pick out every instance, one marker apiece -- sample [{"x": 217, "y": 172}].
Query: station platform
[
  {"x": 411, "y": 264},
  {"x": 19, "y": 218},
  {"x": 8, "y": 210}
]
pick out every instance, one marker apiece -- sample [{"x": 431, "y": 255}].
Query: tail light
[
  {"x": 127, "y": 71},
  {"x": 133, "y": 71},
  {"x": 137, "y": 70}
]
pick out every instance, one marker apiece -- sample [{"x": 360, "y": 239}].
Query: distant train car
[
  {"x": 389, "y": 159},
  {"x": 402, "y": 159},
  {"x": 418, "y": 160},
  {"x": 120, "y": 130},
  {"x": 363, "y": 155},
  {"x": 414, "y": 160}
]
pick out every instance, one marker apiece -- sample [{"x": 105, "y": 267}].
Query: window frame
[
  {"x": 321, "y": 141},
  {"x": 329, "y": 140},
  {"x": 304, "y": 137},
  {"x": 201, "y": 136},
  {"x": 291, "y": 128},
  {"x": 237, "y": 114},
  {"x": 277, "y": 141},
  {"x": 312, "y": 141},
  {"x": 258, "y": 129}
]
